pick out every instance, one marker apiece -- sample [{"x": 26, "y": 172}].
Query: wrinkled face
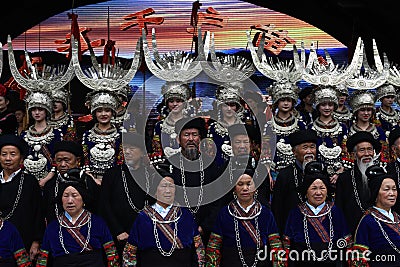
[
  {"x": 285, "y": 104},
  {"x": 104, "y": 115},
  {"x": 364, "y": 114},
  {"x": 132, "y": 154},
  {"x": 245, "y": 188},
  {"x": 387, "y": 194},
  {"x": 387, "y": 101},
  {"x": 305, "y": 152},
  {"x": 65, "y": 161},
  {"x": 38, "y": 114},
  {"x": 19, "y": 114},
  {"x": 229, "y": 109},
  {"x": 10, "y": 158},
  {"x": 326, "y": 108},
  {"x": 175, "y": 105},
  {"x": 57, "y": 106},
  {"x": 364, "y": 152},
  {"x": 241, "y": 145},
  {"x": 72, "y": 201},
  {"x": 189, "y": 140},
  {"x": 316, "y": 193},
  {"x": 166, "y": 191},
  {"x": 3, "y": 103}
]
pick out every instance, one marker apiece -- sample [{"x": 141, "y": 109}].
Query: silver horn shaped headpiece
[
  {"x": 106, "y": 77},
  {"x": 394, "y": 76},
  {"x": 173, "y": 66},
  {"x": 330, "y": 74},
  {"x": 280, "y": 71},
  {"x": 368, "y": 77},
  {"x": 49, "y": 79},
  {"x": 224, "y": 69}
]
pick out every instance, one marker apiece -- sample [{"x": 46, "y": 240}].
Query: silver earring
[{"x": 234, "y": 195}]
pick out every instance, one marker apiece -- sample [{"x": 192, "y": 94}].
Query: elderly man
[
  {"x": 352, "y": 192},
  {"x": 67, "y": 157},
  {"x": 124, "y": 189},
  {"x": 20, "y": 194},
  {"x": 286, "y": 194},
  {"x": 191, "y": 168}
]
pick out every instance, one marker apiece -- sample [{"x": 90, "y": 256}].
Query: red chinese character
[
  {"x": 139, "y": 18},
  {"x": 275, "y": 40},
  {"x": 210, "y": 17}
]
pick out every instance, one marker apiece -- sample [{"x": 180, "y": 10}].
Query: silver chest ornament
[{"x": 102, "y": 157}]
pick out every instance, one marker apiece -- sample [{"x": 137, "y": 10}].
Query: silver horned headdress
[
  {"x": 60, "y": 95},
  {"x": 229, "y": 93},
  {"x": 37, "y": 99},
  {"x": 385, "y": 89},
  {"x": 175, "y": 90},
  {"x": 342, "y": 89},
  {"x": 103, "y": 99},
  {"x": 47, "y": 79},
  {"x": 362, "y": 99},
  {"x": 282, "y": 89},
  {"x": 173, "y": 66}
]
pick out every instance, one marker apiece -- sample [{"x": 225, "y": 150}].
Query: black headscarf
[
  {"x": 312, "y": 171},
  {"x": 376, "y": 174}
]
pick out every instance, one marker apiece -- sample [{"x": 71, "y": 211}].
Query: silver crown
[
  {"x": 46, "y": 80},
  {"x": 175, "y": 89},
  {"x": 103, "y": 99},
  {"x": 229, "y": 93},
  {"x": 394, "y": 76},
  {"x": 279, "y": 90},
  {"x": 325, "y": 94},
  {"x": 39, "y": 99},
  {"x": 60, "y": 95},
  {"x": 362, "y": 99},
  {"x": 385, "y": 90}
]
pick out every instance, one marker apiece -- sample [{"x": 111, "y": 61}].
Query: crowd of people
[{"x": 313, "y": 170}]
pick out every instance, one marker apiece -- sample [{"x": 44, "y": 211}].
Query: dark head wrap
[
  {"x": 134, "y": 139},
  {"x": 74, "y": 178},
  {"x": 191, "y": 123},
  {"x": 376, "y": 174},
  {"x": 393, "y": 135},
  {"x": 68, "y": 146},
  {"x": 305, "y": 92},
  {"x": 160, "y": 174},
  {"x": 241, "y": 129},
  {"x": 13, "y": 140},
  {"x": 362, "y": 136},
  {"x": 302, "y": 136},
  {"x": 312, "y": 171}
]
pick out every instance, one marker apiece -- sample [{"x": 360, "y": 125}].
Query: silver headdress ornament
[
  {"x": 47, "y": 80},
  {"x": 362, "y": 99},
  {"x": 175, "y": 89},
  {"x": 279, "y": 71},
  {"x": 342, "y": 89},
  {"x": 283, "y": 89},
  {"x": 105, "y": 80},
  {"x": 368, "y": 77},
  {"x": 60, "y": 95},
  {"x": 123, "y": 92},
  {"x": 226, "y": 69},
  {"x": 173, "y": 66},
  {"x": 394, "y": 76},
  {"x": 39, "y": 99},
  {"x": 326, "y": 74},
  {"x": 385, "y": 90},
  {"x": 230, "y": 93},
  {"x": 325, "y": 94}
]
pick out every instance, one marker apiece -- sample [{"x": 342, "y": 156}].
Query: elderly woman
[
  {"x": 164, "y": 234},
  {"x": 377, "y": 239},
  {"x": 316, "y": 229},
  {"x": 77, "y": 237},
  {"x": 243, "y": 228}
]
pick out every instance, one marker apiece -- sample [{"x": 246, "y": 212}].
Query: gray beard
[
  {"x": 191, "y": 153},
  {"x": 305, "y": 161},
  {"x": 363, "y": 167}
]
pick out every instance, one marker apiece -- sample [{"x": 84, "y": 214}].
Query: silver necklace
[
  {"x": 127, "y": 189},
  {"x": 255, "y": 214},
  {"x": 284, "y": 130},
  {"x": 307, "y": 238},
  {"x": 9, "y": 215},
  {"x": 174, "y": 243},
  {"x": 296, "y": 182},
  {"x": 200, "y": 199},
  {"x": 386, "y": 236},
  {"x": 334, "y": 130},
  {"x": 60, "y": 235},
  {"x": 239, "y": 246},
  {"x": 353, "y": 181}
]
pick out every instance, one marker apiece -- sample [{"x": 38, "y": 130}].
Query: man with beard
[
  {"x": 286, "y": 194},
  {"x": 191, "y": 168},
  {"x": 124, "y": 189},
  {"x": 352, "y": 192}
]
